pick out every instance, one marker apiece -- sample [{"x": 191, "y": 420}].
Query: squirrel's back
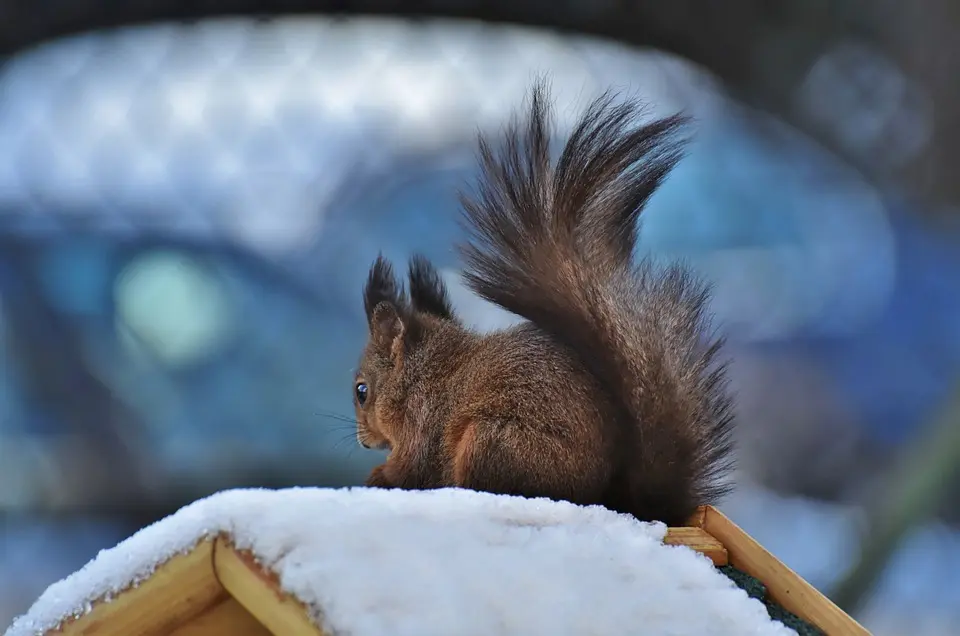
[{"x": 554, "y": 244}]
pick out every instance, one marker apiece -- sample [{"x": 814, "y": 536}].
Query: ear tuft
[
  {"x": 428, "y": 292},
  {"x": 382, "y": 287}
]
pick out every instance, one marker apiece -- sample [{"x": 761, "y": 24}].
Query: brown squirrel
[{"x": 609, "y": 393}]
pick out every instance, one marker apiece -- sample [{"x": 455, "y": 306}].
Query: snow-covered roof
[{"x": 440, "y": 562}]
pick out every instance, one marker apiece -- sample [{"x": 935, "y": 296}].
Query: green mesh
[{"x": 756, "y": 589}]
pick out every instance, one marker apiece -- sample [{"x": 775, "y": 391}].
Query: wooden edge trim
[
  {"x": 698, "y": 539},
  {"x": 783, "y": 585},
  {"x": 179, "y": 589},
  {"x": 226, "y": 618},
  {"x": 258, "y": 590}
]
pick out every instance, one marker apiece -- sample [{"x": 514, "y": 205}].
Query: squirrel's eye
[{"x": 361, "y": 391}]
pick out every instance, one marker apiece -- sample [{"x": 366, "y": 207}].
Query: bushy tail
[{"x": 555, "y": 244}]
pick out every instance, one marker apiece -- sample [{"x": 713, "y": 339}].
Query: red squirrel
[{"x": 610, "y": 391}]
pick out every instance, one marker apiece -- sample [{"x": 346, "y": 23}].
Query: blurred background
[{"x": 190, "y": 197}]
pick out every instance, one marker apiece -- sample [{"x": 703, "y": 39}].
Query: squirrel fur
[{"x": 609, "y": 392}]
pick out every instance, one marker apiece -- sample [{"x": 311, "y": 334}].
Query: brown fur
[{"x": 609, "y": 392}]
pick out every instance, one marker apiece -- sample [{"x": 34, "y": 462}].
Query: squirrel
[{"x": 609, "y": 391}]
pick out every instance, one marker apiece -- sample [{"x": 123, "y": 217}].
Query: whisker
[
  {"x": 345, "y": 439},
  {"x": 351, "y": 427},
  {"x": 336, "y": 416},
  {"x": 348, "y": 428}
]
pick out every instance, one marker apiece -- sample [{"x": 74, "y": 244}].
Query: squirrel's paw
[{"x": 378, "y": 478}]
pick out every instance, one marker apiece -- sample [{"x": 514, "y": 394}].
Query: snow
[{"x": 438, "y": 562}]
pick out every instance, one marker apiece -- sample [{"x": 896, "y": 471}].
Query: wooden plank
[
  {"x": 178, "y": 590},
  {"x": 698, "y": 539},
  {"x": 783, "y": 585},
  {"x": 258, "y": 590},
  {"x": 226, "y": 618}
]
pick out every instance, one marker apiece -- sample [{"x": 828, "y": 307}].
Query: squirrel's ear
[
  {"x": 381, "y": 286},
  {"x": 385, "y": 325},
  {"x": 428, "y": 292},
  {"x": 391, "y": 332}
]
